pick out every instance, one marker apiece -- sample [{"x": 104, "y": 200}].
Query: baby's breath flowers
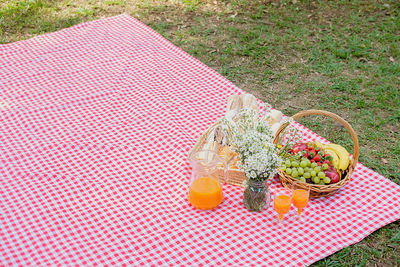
[{"x": 251, "y": 137}]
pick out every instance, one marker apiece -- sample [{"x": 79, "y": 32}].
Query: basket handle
[{"x": 356, "y": 150}]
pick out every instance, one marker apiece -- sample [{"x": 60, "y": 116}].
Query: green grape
[
  {"x": 314, "y": 164},
  {"x": 300, "y": 170},
  {"x": 325, "y": 166},
  {"x": 321, "y": 175},
  {"x": 308, "y": 163},
  {"x": 316, "y": 179},
  {"x": 321, "y": 182},
  {"x": 288, "y": 171},
  {"x": 317, "y": 169},
  {"x": 313, "y": 173},
  {"x": 302, "y": 179},
  {"x": 283, "y": 167},
  {"x": 303, "y": 164},
  {"x": 306, "y": 175},
  {"x": 295, "y": 173},
  {"x": 288, "y": 163},
  {"x": 307, "y": 169},
  {"x": 295, "y": 163},
  {"x": 327, "y": 180}
]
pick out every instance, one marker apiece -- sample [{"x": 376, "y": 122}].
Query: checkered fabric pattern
[{"x": 95, "y": 125}]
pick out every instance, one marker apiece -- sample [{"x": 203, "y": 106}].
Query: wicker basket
[
  {"x": 236, "y": 176},
  {"x": 232, "y": 176},
  {"x": 322, "y": 190}
]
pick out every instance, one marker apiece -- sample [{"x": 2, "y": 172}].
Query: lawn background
[{"x": 340, "y": 56}]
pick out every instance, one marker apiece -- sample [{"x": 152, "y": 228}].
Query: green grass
[{"x": 341, "y": 56}]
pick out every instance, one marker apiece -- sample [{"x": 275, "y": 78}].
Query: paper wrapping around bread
[
  {"x": 234, "y": 104},
  {"x": 250, "y": 102},
  {"x": 209, "y": 146},
  {"x": 275, "y": 128},
  {"x": 274, "y": 117},
  {"x": 234, "y": 162},
  {"x": 230, "y": 157},
  {"x": 238, "y": 102},
  {"x": 226, "y": 153}
]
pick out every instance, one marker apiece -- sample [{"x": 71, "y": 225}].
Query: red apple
[{"x": 333, "y": 175}]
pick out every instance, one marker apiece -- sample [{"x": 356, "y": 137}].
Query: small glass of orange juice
[
  {"x": 282, "y": 201},
  {"x": 301, "y": 195},
  {"x": 205, "y": 190}
]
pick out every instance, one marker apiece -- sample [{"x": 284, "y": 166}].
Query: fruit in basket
[
  {"x": 303, "y": 164},
  {"x": 316, "y": 163},
  {"x": 299, "y": 147},
  {"x": 333, "y": 175},
  {"x": 335, "y": 158},
  {"x": 344, "y": 158},
  {"x": 340, "y": 157},
  {"x": 327, "y": 180},
  {"x": 317, "y": 158}
]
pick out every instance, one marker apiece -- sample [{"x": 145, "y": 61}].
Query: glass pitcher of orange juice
[{"x": 205, "y": 191}]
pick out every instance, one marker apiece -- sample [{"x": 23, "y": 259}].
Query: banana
[
  {"x": 335, "y": 157},
  {"x": 344, "y": 158}
]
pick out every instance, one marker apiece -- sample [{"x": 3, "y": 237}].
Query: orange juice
[
  {"x": 300, "y": 199},
  {"x": 205, "y": 193},
  {"x": 282, "y": 205}
]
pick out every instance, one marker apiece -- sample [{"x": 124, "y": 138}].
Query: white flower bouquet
[{"x": 252, "y": 139}]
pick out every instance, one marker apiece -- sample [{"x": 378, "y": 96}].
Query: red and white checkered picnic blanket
[{"x": 95, "y": 125}]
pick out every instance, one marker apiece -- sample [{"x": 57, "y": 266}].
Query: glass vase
[{"x": 256, "y": 196}]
